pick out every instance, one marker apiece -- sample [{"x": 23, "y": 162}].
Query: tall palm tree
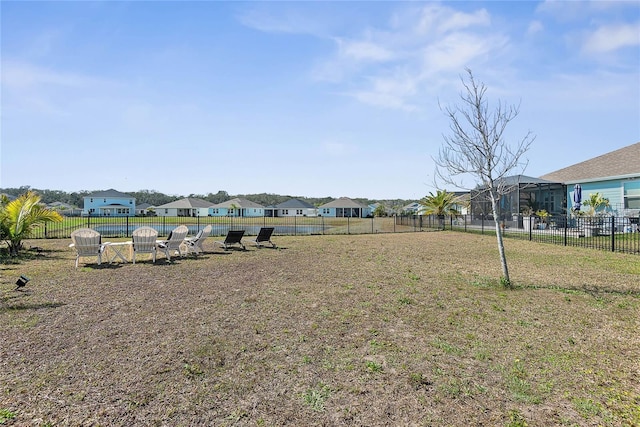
[
  {"x": 20, "y": 217},
  {"x": 440, "y": 204}
]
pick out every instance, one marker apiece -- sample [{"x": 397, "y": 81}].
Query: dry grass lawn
[{"x": 342, "y": 330}]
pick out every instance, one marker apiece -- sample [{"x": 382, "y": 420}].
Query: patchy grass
[{"x": 388, "y": 329}]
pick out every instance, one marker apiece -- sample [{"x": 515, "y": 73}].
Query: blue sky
[{"x": 300, "y": 98}]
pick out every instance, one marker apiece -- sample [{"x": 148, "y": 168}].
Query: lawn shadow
[{"x": 8, "y": 301}]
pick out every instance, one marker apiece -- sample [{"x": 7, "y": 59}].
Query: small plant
[
  {"x": 516, "y": 419},
  {"x": 446, "y": 347},
  {"x": 315, "y": 397},
  {"x": 6, "y": 415},
  {"x": 587, "y": 407},
  {"x": 373, "y": 366},
  {"x": 543, "y": 215},
  {"x": 405, "y": 301},
  {"x": 192, "y": 370},
  {"x": 519, "y": 384},
  {"x": 505, "y": 283}
]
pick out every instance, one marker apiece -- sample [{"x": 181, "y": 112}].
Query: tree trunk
[{"x": 503, "y": 257}]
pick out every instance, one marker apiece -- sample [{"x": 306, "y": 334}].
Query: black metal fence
[
  {"x": 113, "y": 227},
  {"x": 610, "y": 233},
  {"x": 617, "y": 234}
]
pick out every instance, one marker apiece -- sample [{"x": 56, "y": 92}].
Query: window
[
  {"x": 299, "y": 212},
  {"x": 285, "y": 211},
  {"x": 632, "y": 195}
]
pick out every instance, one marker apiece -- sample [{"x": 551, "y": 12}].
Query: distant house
[
  {"x": 387, "y": 211},
  {"x": 143, "y": 209},
  {"x": 109, "y": 203},
  {"x": 188, "y": 206},
  {"x": 414, "y": 208},
  {"x": 344, "y": 207},
  {"x": 462, "y": 202},
  {"x": 615, "y": 175},
  {"x": 237, "y": 207},
  {"x": 292, "y": 207},
  {"x": 65, "y": 209}
]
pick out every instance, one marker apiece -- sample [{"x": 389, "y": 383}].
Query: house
[
  {"x": 615, "y": 175},
  {"x": 109, "y": 203},
  {"x": 189, "y": 206},
  {"x": 387, "y": 211},
  {"x": 344, "y": 207},
  {"x": 292, "y": 207},
  {"x": 237, "y": 207},
  {"x": 414, "y": 208},
  {"x": 65, "y": 209},
  {"x": 462, "y": 202},
  {"x": 145, "y": 209}
]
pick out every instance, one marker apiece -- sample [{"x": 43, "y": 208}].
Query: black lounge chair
[
  {"x": 264, "y": 235},
  {"x": 234, "y": 237}
]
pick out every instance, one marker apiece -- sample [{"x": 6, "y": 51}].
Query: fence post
[
  {"x": 295, "y": 225},
  {"x": 613, "y": 233},
  {"x": 348, "y": 224},
  {"x": 127, "y": 228},
  {"x": 531, "y": 224},
  {"x": 566, "y": 226},
  {"x": 372, "y": 224},
  {"x": 482, "y": 223}
]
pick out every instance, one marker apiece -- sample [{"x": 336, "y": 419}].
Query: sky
[{"x": 312, "y": 99}]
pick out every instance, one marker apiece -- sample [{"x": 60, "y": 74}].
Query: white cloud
[
  {"x": 535, "y": 27},
  {"x": 17, "y": 75},
  {"x": 363, "y": 50},
  {"x": 390, "y": 66},
  {"x": 612, "y": 37},
  {"x": 456, "y": 51}
]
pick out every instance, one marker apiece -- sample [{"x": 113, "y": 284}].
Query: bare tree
[{"x": 477, "y": 148}]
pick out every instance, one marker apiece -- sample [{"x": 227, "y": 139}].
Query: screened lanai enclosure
[{"x": 523, "y": 194}]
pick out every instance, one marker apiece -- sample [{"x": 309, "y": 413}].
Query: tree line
[{"x": 156, "y": 198}]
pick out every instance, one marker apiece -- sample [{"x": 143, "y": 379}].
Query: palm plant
[
  {"x": 595, "y": 202},
  {"x": 20, "y": 217},
  {"x": 440, "y": 204}
]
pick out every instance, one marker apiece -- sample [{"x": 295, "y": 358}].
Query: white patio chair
[
  {"x": 173, "y": 242},
  {"x": 194, "y": 244},
  {"x": 144, "y": 242},
  {"x": 87, "y": 243}
]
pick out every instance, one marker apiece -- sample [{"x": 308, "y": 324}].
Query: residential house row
[
  {"x": 114, "y": 203},
  {"x": 614, "y": 175}
]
